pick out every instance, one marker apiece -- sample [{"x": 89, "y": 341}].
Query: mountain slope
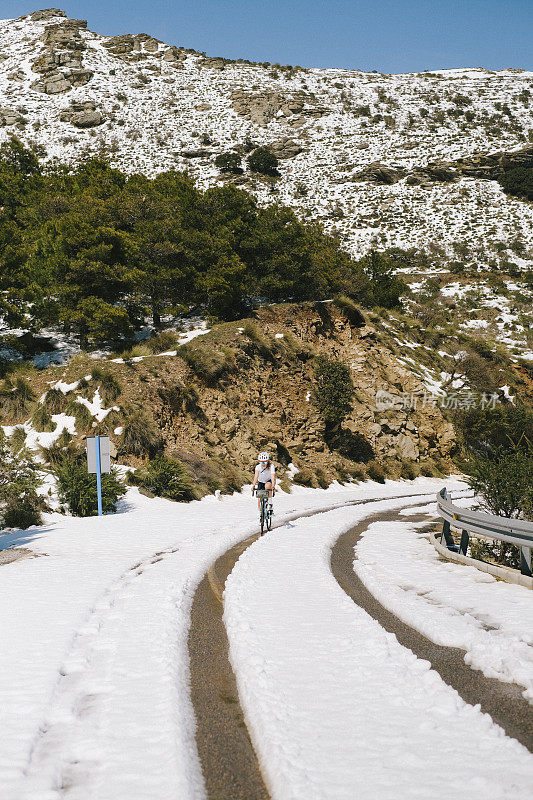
[{"x": 157, "y": 107}]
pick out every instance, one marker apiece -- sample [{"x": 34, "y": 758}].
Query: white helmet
[{"x": 263, "y": 457}]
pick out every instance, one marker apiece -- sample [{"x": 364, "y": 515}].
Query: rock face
[
  {"x": 65, "y": 34},
  {"x": 130, "y": 47},
  {"x": 380, "y": 173},
  {"x": 265, "y": 403},
  {"x": 82, "y": 115}
]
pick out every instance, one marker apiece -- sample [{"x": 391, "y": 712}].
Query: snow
[
  {"x": 36, "y": 439},
  {"x": 95, "y": 405},
  {"x": 96, "y": 654},
  {"x": 336, "y": 707},
  {"x": 454, "y": 605}
]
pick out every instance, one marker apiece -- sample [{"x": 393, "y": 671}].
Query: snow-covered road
[
  {"x": 94, "y": 702},
  {"x": 93, "y": 635},
  {"x": 336, "y": 707}
]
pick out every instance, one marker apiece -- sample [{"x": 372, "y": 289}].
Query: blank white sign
[{"x": 105, "y": 454}]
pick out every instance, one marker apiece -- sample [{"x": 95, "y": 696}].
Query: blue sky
[{"x": 384, "y": 35}]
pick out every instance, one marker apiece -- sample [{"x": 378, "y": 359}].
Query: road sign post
[{"x": 98, "y": 461}]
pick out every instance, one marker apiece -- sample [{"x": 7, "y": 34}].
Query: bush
[
  {"x": 16, "y": 398},
  {"x": 77, "y": 488},
  {"x": 23, "y": 512},
  {"x": 375, "y": 472},
  {"x": 208, "y": 364},
  {"x": 504, "y": 483},
  {"x": 353, "y": 446},
  {"x": 166, "y": 478},
  {"x": 166, "y": 340},
  {"x": 109, "y": 384},
  {"x": 304, "y": 478},
  {"x": 334, "y": 390},
  {"x": 55, "y": 401},
  {"x": 42, "y": 421},
  {"x": 263, "y": 161},
  {"x": 518, "y": 182},
  {"x": 490, "y": 431},
  {"x": 229, "y": 162},
  {"x": 350, "y": 310},
  {"x": 20, "y": 504},
  {"x": 140, "y": 437}
]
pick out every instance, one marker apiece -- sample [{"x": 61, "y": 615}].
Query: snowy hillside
[{"x": 157, "y": 107}]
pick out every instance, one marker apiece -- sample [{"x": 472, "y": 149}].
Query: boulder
[
  {"x": 380, "y": 173},
  {"x": 120, "y": 45},
  {"x": 406, "y": 447},
  {"x": 285, "y": 148},
  {"x": 82, "y": 115},
  {"x": 80, "y": 77}
]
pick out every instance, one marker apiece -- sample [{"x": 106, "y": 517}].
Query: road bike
[{"x": 265, "y": 511}]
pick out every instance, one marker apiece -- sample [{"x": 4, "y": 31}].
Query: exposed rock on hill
[{"x": 82, "y": 115}]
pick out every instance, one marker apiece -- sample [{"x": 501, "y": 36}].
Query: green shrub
[
  {"x": 208, "y": 364},
  {"x": 140, "y": 437},
  {"x": 20, "y": 505},
  {"x": 229, "y": 162},
  {"x": 17, "y": 440},
  {"x": 350, "y": 310},
  {"x": 322, "y": 479},
  {"x": 166, "y": 478},
  {"x": 42, "y": 421},
  {"x": 375, "y": 471},
  {"x": 263, "y": 161},
  {"x": 55, "y": 401},
  {"x": 23, "y": 512},
  {"x": 353, "y": 446},
  {"x": 16, "y": 398},
  {"x": 264, "y": 345},
  {"x": 84, "y": 418},
  {"x": 334, "y": 390},
  {"x": 109, "y": 384},
  {"x": 166, "y": 340},
  {"x": 518, "y": 182},
  {"x": 304, "y": 478},
  {"x": 409, "y": 469},
  {"x": 77, "y": 488},
  {"x": 504, "y": 482}
]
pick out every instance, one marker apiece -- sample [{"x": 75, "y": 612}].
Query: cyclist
[{"x": 265, "y": 477}]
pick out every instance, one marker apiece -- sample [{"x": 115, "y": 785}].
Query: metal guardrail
[{"x": 475, "y": 523}]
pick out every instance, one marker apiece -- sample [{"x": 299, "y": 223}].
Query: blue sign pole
[{"x": 98, "y": 474}]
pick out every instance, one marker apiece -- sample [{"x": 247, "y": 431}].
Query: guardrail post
[
  {"x": 525, "y": 560},
  {"x": 463, "y": 546}
]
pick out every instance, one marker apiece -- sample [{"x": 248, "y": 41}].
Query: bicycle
[{"x": 265, "y": 511}]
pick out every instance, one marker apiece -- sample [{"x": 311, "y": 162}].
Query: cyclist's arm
[
  {"x": 256, "y": 477},
  {"x": 273, "y": 476}
]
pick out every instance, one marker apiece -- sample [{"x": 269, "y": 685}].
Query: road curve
[{"x": 503, "y": 701}]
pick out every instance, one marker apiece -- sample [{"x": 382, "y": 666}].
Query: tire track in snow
[
  {"x": 502, "y": 701},
  {"x": 229, "y": 762}
]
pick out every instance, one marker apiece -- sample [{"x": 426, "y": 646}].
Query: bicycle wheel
[
  {"x": 269, "y": 519},
  {"x": 262, "y": 516}
]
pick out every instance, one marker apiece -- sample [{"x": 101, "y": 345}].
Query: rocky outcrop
[
  {"x": 46, "y": 14},
  {"x": 65, "y": 34},
  {"x": 61, "y": 64},
  {"x": 82, "y": 115},
  {"x": 9, "y": 117},
  {"x": 486, "y": 166},
  {"x": 264, "y": 107},
  {"x": 376, "y": 172},
  {"x": 130, "y": 47}
]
